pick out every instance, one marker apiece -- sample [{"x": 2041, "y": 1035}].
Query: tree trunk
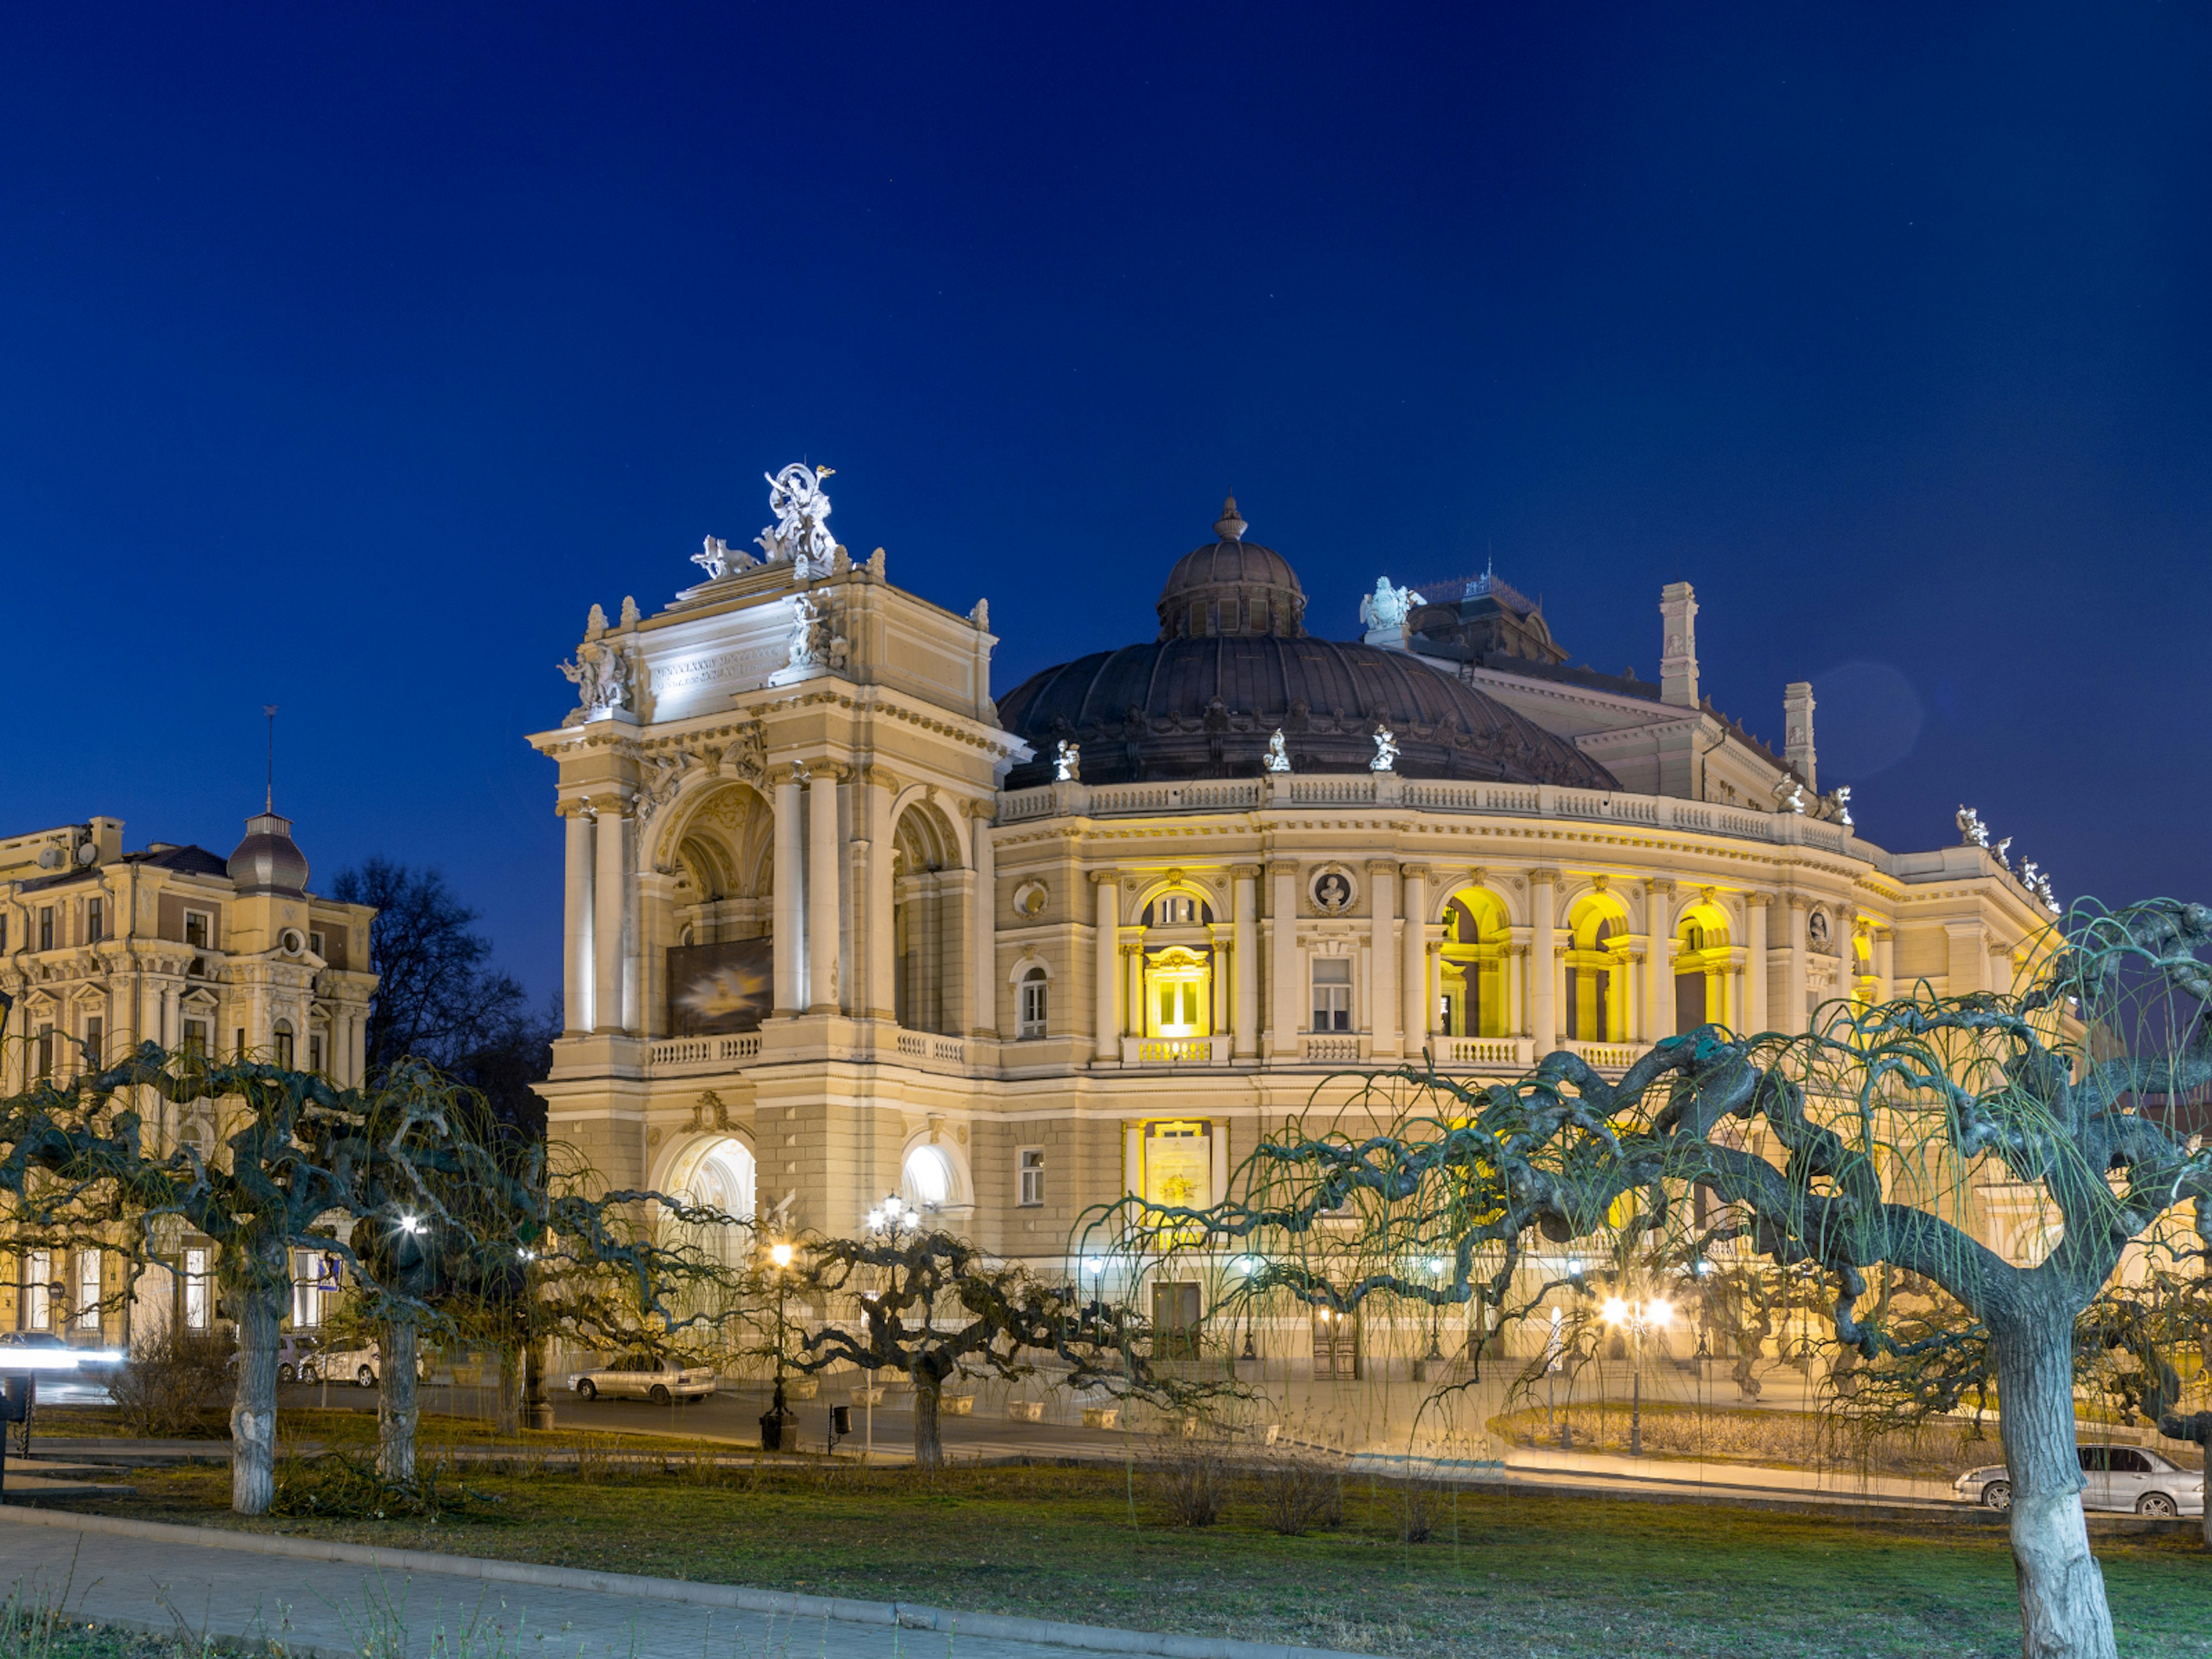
[
  {"x": 2062, "y": 1589},
  {"x": 397, "y": 1407},
  {"x": 536, "y": 1410},
  {"x": 928, "y": 1448},
  {"x": 253, "y": 1406},
  {"x": 507, "y": 1422}
]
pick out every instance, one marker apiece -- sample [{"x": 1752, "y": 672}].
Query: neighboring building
[
  {"x": 101, "y": 949},
  {"x": 838, "y": 924}
]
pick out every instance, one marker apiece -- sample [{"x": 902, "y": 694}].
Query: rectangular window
[
  {"x": 87, "y": 1290},
  {"x": 1030, "y": 1162},
  {"x": 314, "y": 1051},
  {"x": 45, "y": 928},
  {"x": 95, "y": 919},
  {"x": 238, "y": 1049},
  {"x": 306, "y": 1289},
  {"x": 196, "y": 929},
  {"x": 283, "y": 1046},
  {"x": 1176, "y": 1326},
  {"x": 45, "y": 1051},
  {"x": 196, "y": 1037},
  {"x": 38, "y": 1304},
  {"x": 95, "y": 1037},
  {"x": 1032, "y": 999},
  {"x": 3, "y": 932},
  {"x": 1331, "y": 993},
  {"x": 315, "y": 942},
  {"x": 198, "y": 1304}
]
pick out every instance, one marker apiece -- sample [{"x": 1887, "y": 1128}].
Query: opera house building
[{"x": 841, "y": 923}]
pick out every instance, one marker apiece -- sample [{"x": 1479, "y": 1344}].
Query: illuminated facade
[{"x": 840, "y": 924}]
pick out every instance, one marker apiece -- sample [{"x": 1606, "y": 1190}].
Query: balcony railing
[
  {"x": 1176, "y": 1051},
  {"x": 1544, "y": 800},
  {"x": 1605, "y": 1056},
  {"x": 1508, "y": 1053},
  {"x": 683, "y": 1053}
]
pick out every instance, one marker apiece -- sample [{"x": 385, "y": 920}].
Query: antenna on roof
[{"x": 269, "y": 801}]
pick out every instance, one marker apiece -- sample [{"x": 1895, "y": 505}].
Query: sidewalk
[{"x": 342, "y": 1601}]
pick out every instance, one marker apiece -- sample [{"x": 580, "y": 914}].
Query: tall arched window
[{"x": 1032, "y": 996}]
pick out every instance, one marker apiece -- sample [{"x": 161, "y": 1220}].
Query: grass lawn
[{"x": 1515, "y": 1576}]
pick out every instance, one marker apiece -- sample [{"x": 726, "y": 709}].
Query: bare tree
[
  {"x": 1855, "y": 1147},
  {"x": 304, "y": 1158},
  {"x": 934, "y": 1307}
]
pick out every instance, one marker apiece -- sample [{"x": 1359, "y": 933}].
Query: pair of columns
[{"x": 806, "y": 933}]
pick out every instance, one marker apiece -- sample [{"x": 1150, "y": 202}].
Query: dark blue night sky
[{"x": 347, "y": 356}]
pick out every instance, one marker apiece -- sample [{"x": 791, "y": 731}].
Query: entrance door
[
  {"x": 1175, "y": 1321},
  {"x": 1336, "y": 1346}
]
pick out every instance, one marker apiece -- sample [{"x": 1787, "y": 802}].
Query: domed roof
[
  {"x": 1231, "y": 585},
  {"x": 269, "y": 861},
  {"x": 1195, "y": 705}
]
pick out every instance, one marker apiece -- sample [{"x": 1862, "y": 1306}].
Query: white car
[
  {"x": 642, "y": 1376},
  {"x": 2112, "y": 1477},
  {"x": 361, "y": 1366}
]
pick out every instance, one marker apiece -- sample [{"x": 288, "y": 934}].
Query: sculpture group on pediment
[
  {"x": 601, "y": 674},
  {"x": 800, "y": 535},
  {"x": 745, "y": 756},
  {"x": 815, "y": 641}
]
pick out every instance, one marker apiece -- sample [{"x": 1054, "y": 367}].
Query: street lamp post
[
  {"x": 1638, "y": 1316},
  {"x": 776, "y": 1423}
]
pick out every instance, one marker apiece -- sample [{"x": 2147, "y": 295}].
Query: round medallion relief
[{"x": 1331, "y": 889}]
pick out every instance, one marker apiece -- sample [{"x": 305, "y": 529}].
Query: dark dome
[
  {"x": 269, "y": 861},
  {"x": 1231, "y": 585},
  {"x": 1205, "y": 708}
]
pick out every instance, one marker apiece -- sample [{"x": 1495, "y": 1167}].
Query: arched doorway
[
  {"x": 1597, "y": 970},
  {"x": 720, "y": 1173},
  {"x": 1702, "y": 962},
  {"x": 1478, "y": 940},
  {"x": 925, "y": 919}
]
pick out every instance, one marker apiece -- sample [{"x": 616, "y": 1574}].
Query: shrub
[
  {"x": 1299, "y": 1491},
  {"x": 172, "y": 1377},
  {"x": 1190, "y": 1473}
]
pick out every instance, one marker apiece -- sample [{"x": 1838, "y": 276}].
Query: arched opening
[
  {"x": 925, "y": 919},
  {"x": 723, "y": 1175},
  {"x": 1701, "y": 961},
  {"x": 1477, "y": 941},
  {"x": 1597, "y": 970},
  {"x": 927, "y": 1179},
  {"x": 281, "y": 1042},
  {"x": 720, "y": 914},
  {"x": 1866, "y": 985}
]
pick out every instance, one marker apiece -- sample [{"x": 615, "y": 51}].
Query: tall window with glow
[
  {"x": 1178, "y": 966},
  {"x": 1597, "y": 970}
]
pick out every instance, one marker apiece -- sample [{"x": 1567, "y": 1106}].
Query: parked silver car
[
  {"x": 642, "y": 1376},
  {"x": 362, "y": 1365},
  {"x": 2112, "y": 1477}
]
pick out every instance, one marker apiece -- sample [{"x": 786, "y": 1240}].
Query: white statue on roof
[
  {"x": 800, "y": 534},
  {"x": 1385, "y": 612}
]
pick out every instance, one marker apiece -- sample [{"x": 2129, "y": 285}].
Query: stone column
[
  {"x": 1420, "y": 1016},
  {"x": 822, "y": 889},
  {"x": 1753, "y": 1020},
  {"x": 955, "y": 902},
  {"x": 871, "y": 820},
  {"x": 983, "y": 918},
  {"x": 1106, "y": 887},
  {"x": 1244, "y": 956},
  {"x": 1284, "y": 1018},
  {"x": 1658, "y": 1012},
  {"x": 1543, "y": 961},
  {"x": 1792, "y": 968},
  {"x": 1384, "y": 1039},
  {"x": 576, "y": 987},
  {"x": 1885, "y": 962},
  {"x": 788, "y": 948},
  {"x": 608, "y": 889}
]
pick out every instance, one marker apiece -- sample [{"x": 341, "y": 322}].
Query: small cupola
[
  {"x": 1232, "y": 587},
  {"x": 269, "y": 861}
]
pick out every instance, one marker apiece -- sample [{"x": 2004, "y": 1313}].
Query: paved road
[
  {"x": 734, "y": 1415},
  {"x": 349, "y": 1608}
]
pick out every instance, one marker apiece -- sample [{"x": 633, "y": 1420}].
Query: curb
[{"x": 900, "y": 1615}]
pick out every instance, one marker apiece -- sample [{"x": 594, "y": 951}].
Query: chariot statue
[{"x": 800, "y": 534}]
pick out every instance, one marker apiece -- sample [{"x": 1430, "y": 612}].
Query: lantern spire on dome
[{"x": 1230, "y": 526}]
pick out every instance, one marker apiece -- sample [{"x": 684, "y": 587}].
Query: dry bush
[
  {"x": 171, "y": 1378},
  {"x": 1417, "y": 1506},
  {"x": 1300, "y": 1492},
  {"x": 1191, "y": 1475}
]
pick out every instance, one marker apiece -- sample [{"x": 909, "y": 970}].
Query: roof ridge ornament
[{"x": 1230, "y": 526}]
